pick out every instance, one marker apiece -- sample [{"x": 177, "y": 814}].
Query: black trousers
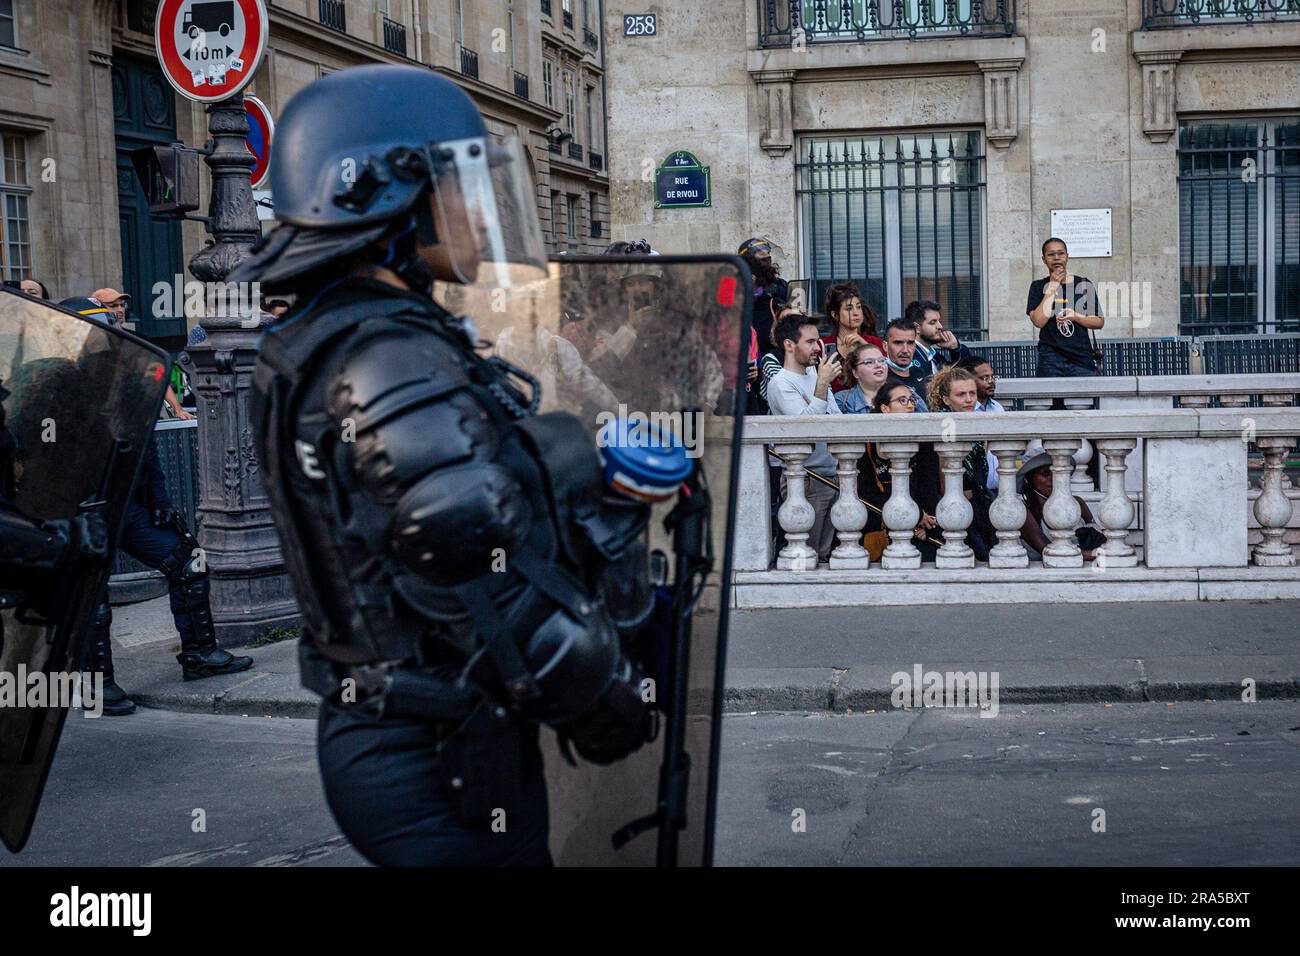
[{"x": 387, "y": 793}]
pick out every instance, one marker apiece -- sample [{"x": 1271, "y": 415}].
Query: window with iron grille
[
  {"x": 571, "y": 211},
  {"x": 8, "y": 24},
  {"x": 333, "y": 14},
  {"x": 593, "y": 208},
  {"x": 783, "y": 22},
  {"x": 1189, "y": 13},
  {"x": 900, "y": 216},
  {"x": 15, "y": 213},
  {"x": 1239, "y": 226},
  {"x": 548, "y": 82}
]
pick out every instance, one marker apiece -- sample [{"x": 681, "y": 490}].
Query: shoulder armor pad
[{"x": 392, "y": 371}]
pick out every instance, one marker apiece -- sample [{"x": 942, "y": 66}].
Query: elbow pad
[{"x": 449, "y": 523}]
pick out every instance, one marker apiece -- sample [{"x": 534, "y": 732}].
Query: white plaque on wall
[{"x": 1086, "y": 231}]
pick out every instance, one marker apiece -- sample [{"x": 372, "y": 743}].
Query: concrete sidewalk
[
  {"x": 843, "y": 658},
  {"x": 145, "y": 645}
]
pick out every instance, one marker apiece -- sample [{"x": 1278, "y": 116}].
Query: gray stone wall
[{"x": 1085, "y": 127}]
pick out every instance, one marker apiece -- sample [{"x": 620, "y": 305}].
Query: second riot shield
[
  {"x": 651, "y": 354},
  {"x": 78, "y": 400}
]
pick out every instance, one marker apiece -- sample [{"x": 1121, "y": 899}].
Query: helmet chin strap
[{"x": 404, "y": 250}]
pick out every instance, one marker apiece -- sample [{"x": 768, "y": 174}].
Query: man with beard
[{"x": 936, "y": 347}]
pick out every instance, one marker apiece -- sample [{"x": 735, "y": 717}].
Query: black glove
[
  {"x": 163, "y": 514},
  {"x": 616, "y": 727}
]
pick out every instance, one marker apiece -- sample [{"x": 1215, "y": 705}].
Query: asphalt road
[
  {"x": 124, "y": 791},
  {"x": 1202, "y": 784},
  {"x": 1187, "y": 784}
]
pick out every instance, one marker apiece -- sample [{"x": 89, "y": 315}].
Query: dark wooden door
[{"x": 144, "y": 112}]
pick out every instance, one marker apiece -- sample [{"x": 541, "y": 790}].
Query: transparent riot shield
[
  {"x": 658, "y": 344},
  {"x": 77, "y": 405}
]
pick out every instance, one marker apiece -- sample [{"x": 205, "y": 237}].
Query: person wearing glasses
[
  {"x": 875, "y": 483},
  {"x": 1064, "y": 309},
  {"x": 867, "y": 372}
]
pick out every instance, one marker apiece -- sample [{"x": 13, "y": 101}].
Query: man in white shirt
[{"x": 802, "y": 387}]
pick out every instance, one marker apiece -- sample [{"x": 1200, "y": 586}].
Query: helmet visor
[{"x": 487, "y": 218}]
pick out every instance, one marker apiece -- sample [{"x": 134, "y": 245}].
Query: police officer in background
[
  {"x": 153, "y": 533},
  {"x": 440, "y": 535}
]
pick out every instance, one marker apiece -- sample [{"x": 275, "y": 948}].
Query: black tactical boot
[
  {"x": 99, "y": 659},
  {"x": 198, "y": 662},
  {"x": 200, "y": 657}
]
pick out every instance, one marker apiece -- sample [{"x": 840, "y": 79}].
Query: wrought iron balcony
[
  {"x": 394, "y": 37},
  {"x": 568, "y": 19},
  {"x": 590, "y": 39},
  {"x": 799, "y": 22},
  {"x": 596, "y": 160},
  {"x": 333, "y": 14},
  {"x": 575, "y": 151},
  {"x": 546, "y": 7},
  {"x": 1190, "y": 13},
  {"x": 521, "y": 85},
  {"x": 553, "y": 147},
  {"x": 469, "y": 62},
  {"x": 597, "y": 229}
]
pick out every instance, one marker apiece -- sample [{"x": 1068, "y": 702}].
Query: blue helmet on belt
[{"x": 364, "y": 150}]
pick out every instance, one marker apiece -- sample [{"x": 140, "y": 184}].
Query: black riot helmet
[{"x": 358, "y": 156}]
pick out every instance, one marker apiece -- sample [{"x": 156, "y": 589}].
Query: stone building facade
[
  {"x": 921, "y": 148},
  {"x": 80, "y": 87}
]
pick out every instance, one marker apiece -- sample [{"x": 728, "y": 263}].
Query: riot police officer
[
  {"x": 446, "y": 543},
  {"x": 152, "y": 534}
]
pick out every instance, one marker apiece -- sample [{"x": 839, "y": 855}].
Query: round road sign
[
  {"x": 209, "y": 49},
  {"x": 261, "y": 128}
]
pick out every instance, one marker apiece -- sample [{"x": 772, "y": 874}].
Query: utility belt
[{"x": 480, "y": 744}]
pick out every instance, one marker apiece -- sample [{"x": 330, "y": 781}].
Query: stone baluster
[
  {"x": 1277, "y": 400},
  {"x": 1037, "y": 404},
  {"x": 848, "y": 514},
  {"x": 1234, "y": 401},
  {"x": 1060, "y": 511},
  {"x": 955, "y": 513},
  {"x": 1008, "y": 512},
  {"x": 1080, "y": 480},
  {"x": 1273, "y": 507},
  {"x": 1116, "y": 511},
  {"x": 901, "y": 513},
  {"x": 1193, "y": 401},
  {"x": 796, "y": 514}
]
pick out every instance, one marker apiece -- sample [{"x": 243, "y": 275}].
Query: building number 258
[{"x": 640, "y": 25}]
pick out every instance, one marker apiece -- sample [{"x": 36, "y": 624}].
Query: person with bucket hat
[{"x": 1034, "y": 482}]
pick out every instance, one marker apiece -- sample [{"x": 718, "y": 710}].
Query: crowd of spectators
[{"x": 849, "y": 362}]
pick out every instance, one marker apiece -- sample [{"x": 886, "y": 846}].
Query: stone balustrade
[
  {"x": 1183, "y": 534},
  {"x": 1151, "y": 391}
]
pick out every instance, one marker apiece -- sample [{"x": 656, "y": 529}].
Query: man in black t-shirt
[{"x": 1064, "y": 309}]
